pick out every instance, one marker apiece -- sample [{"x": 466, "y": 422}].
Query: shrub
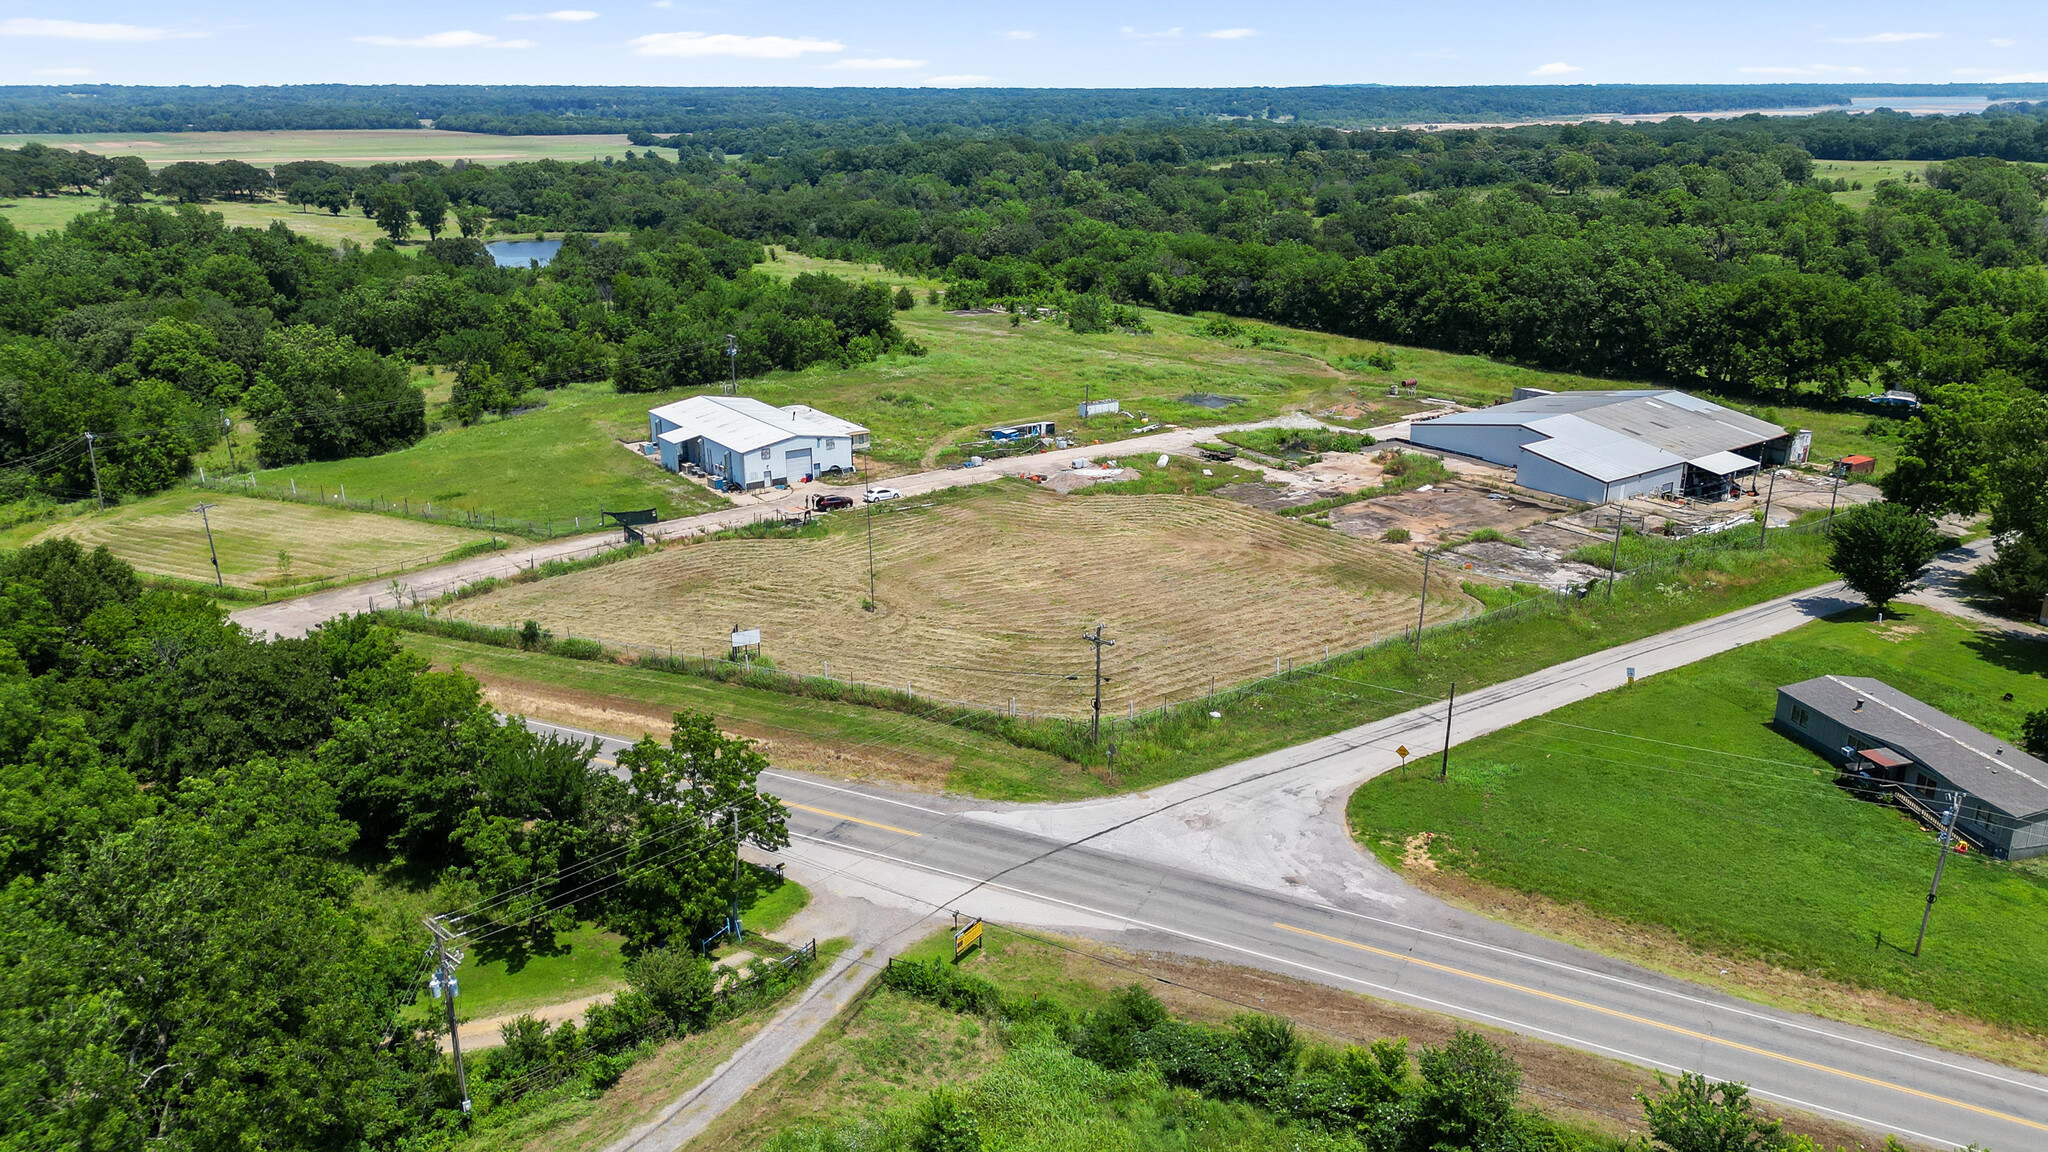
[
  {"x": 577, "y": 648},
  {"x": 677, "y": 985},
  {"x": 1396, "y": 536},
  {"x": 2034, "y": 732},
  {"x": 940, "y": 983}
]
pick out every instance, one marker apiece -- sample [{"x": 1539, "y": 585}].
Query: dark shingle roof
[{"x": 1981, "y": 764}]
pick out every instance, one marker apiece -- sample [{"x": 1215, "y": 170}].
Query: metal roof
[
  {"x": 1978, "y": 763},
  {"x": 1602, "y": 453},
  {"x": 1663, "y": 418},
  {"x": 1723, "y": 463},
  {"x": 743, "y": 424},
  {"x": 837, "y": 426}
]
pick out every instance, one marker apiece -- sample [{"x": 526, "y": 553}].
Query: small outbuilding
[
  {"x": 1858, "y": 465},
  {"x": 1880, "y": 735},
  {"x": 749, "y": 444}
]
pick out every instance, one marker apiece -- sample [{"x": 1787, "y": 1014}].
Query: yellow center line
[
  {"x": 1740, "y": 1047},
  {"x": 855, "y": 819}
]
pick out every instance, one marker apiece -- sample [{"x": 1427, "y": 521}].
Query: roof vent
[{"x": 1858, "y": 707}]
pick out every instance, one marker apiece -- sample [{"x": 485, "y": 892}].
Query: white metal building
[
  {"x": 752, "y": 444},
  {"x": 1609, "y": 445}
]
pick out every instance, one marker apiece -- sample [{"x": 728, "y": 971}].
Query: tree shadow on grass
[{"x": 2014, "y": 651}]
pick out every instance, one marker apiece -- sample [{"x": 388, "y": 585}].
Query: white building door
[{"x": 798, "y": 462}]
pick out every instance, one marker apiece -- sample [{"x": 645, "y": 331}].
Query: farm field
[
  {"x": 262, "y": 543},
  {"x": 341, "y": 146},
  {"x": 1670, "y": 821},
  {"x": 983, "y": 594}
]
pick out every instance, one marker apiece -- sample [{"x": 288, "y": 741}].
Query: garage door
[{"x": 799, "y": 464}]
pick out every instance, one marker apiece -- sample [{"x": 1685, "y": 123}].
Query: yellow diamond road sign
[{"x": 1402, "y": 751}]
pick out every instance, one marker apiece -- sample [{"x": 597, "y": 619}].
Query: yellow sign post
[
  {"x": 1402, "y": 752},
  {"x": 966, "y": 940}
]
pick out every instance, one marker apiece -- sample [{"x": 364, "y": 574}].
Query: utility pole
[
  {"x": 1836, "y": 494},
  {"x": 228, "y": 426},
  {"x": 866, "y": 496},
  {"x": 95, "y": 455},
  {"x": 732, "y": 353},
  {"x": 732, "y": 922},
  {"x": 1763, "y": 522},
  {"x": 1422, "y": 610},
  {"x": 1444, "y": 773},
  {"x": 1614, "y": 561},
  {"x": 443, "y": 985},
  {"x": 1948, "y": 833},
  {"x": 201, "y": 509},
  {"x": 1095, "y": 637}
]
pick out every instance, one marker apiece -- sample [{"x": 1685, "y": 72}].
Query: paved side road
[
  {"x": 878, "y": 934},
  {"x": 298, "y": 616}
]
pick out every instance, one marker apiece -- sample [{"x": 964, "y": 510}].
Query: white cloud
[
  {"x": 75, "y": 30},
  {"x": 1888, "y": 38},
  {"x": 1169, "y": 34},
  {"x": 458, "y": 39},
  {"x": 662, "y": 4},
  {"x": 2002, "y": 42},
  {"x": 572, "y": 15},
  {"x": 726, "y": 44},
  {"x": 1776, "y": 70},
  {"x": 967, "y": 81},
  {"x": 878, "y": 63},
  {"x": 1559, "y": 68},
  {"x": 1020, "y": 34},
  {"x": 1231, "y": 33},
  {"x": 2022, "y": 78},
  {"x": 63, "y": 72}
]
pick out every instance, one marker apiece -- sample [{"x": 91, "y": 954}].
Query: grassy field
[
  {"x": 45, "y": 213},
  {"x": 1674, "y": 804},
  {"x": 1869, "y": 173},
  {"x": 982, "y": 595},
  {"x": 263, "y": 544},
  {"x": 841, "y": 740},
  {"x": 552, "y": 464},
  {"x": 342, "y": 146}
]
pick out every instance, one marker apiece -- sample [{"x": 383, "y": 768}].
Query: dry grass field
[
  {"x": 983, "y": 596},
  {"x": 162, "y": 536}
]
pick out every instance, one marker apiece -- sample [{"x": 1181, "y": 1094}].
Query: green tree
[
  {"x": 693, "y": 801},
  {"x": 1697, "y": 1115},
  {"x": 678, "y": 982},
  {"x": 430, "y": 205},
  {"x": 1574, "y": 171},
  {"x": 391, "y": 208},
  {"x": 471, "y": 219},
  {"x": 334, "y": 196},
  {"x": 1467, "y": 1097},
  {"x": 1880, "y": 549},
  {"x": 125, "y": 189},
  {"x": 904, "y": 300}
]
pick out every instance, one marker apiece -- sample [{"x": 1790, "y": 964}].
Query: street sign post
[{"x": 966, "y": 940}]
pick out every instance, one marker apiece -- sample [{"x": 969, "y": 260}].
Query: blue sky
[{"x": 1050, "y": 44}]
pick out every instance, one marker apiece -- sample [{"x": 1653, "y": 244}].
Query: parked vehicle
[
  {"x": 877, "y": 495},
  {"x": 831, "y": 503}
]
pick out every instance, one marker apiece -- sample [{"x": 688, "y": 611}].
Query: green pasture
[
  {"x": 1675, "y": 803},
  {"x": 552, "y": 464}
]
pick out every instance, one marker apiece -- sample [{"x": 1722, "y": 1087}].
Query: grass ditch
[
  {"x": 1038, "y": 1042},
  {"x": 1780, "y": 869}
]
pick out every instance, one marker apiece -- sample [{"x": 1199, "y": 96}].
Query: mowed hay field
[
  {"x": 162, "y": 536},
  {"x": 983, "y": 596},
  {"x": 340, "y": 146}
]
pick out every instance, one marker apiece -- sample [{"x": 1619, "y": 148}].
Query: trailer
[{"x": 1019, "y": 431}]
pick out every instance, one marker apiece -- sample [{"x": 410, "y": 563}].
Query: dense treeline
[
  {"x": 521, "y": 109},
  {"x": 146, "y": 328},
  {"x": 187, "y": 956}
]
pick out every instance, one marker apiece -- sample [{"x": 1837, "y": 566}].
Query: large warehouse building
[
  {"x": 1878, "y": 733},
  {"x": 1601, "y": 446},
  {"x": 751, "y": 444}
]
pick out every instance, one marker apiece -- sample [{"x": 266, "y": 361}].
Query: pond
[{"x": 517, "y": 253}]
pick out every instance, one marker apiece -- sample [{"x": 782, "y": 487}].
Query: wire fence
[{"x": 482, "y": 520}]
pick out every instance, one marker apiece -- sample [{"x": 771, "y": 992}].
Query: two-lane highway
[{"x": 941, "y": 854}]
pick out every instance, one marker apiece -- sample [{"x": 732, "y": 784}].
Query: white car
[{"x": 877, "y": 495}]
